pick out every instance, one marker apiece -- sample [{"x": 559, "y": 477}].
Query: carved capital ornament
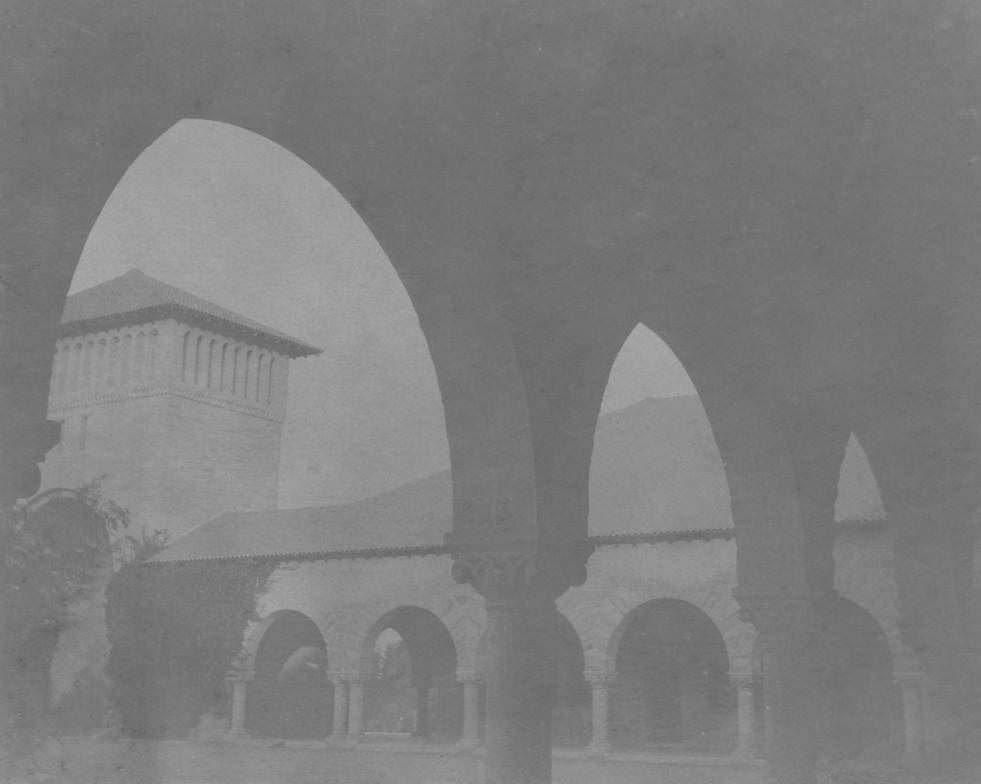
[{"x": 497, "y": 576}]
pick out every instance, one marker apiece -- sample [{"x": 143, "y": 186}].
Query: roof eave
[{"x": 284, "y": 345}]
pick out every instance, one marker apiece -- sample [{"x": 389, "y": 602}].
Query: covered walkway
[{"x": 786, "y": 192}]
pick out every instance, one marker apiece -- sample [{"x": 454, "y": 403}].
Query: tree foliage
[
  {"x": 54, "y": 549},
  {"x": 136, "y": 549},
  {"x": 174, "y": 630},
  {"x": 52, "y": 553}
]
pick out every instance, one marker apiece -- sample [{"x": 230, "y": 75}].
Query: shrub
[{"x": 174, "y": 630}]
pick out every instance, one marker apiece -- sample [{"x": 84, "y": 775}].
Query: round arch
[
  {"x": 672, "y": 679},
  {"x": 865, "y": 716},
  {"x": 410, "y": 676},
  {"x": 290, "y": 695},
  {"x": 863, "y": 712},
  {"x": 423, "y": 632},
  {"x": 674, "y": 608}
]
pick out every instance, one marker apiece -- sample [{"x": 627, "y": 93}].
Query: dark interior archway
[
  {"x": 409, "y": 660},
  {"x": 865, "y": 717},
  {"x": 672, "y": 686},
  {"x": 291, "y": 696}
]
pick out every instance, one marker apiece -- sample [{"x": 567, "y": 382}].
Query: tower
[{"x": 176, "y": 401}]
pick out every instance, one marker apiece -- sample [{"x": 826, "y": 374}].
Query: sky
[{"x": 236, "y": 219}]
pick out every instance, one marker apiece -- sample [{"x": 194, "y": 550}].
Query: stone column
[
  {"x": 339, "y": 728},
  {"x": 239, "y": 681},
  {"x": 520, "y": 605},
  {"x": 600, "y": 683},
  {"x": 911, "y": 684},
  {"x": 471, "y": 710},
  {"x": 422, "y": 728},
  {"x": 938, "y": 623},
  {"x": 355, "y": 716},
  {"x": 745, "y": 713},
  {"x": 789, "y": 628}
]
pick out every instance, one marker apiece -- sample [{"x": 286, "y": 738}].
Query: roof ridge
[{"x": 119, "y": 299}]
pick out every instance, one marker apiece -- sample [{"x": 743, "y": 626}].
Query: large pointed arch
[
  {"x": 859, "y": 497},
  {"x": 265, "y": 72},
  {"x": 655, "y": 463},
  {"x": 471, "y": 349}
]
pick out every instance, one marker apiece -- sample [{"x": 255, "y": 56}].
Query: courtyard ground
[{"x": 89, "y": 761}]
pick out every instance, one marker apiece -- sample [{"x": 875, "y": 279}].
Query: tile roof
[
  {"x": 655, "y": 470},
  {"x": 135, "y": 297},
  {"x": 414, "y": 514}
]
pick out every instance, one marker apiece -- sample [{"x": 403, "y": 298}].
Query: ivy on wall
[{"x": 174, "y": 630}]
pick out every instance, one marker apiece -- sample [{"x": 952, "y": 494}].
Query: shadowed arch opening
[
  {"x": 290, "y": 696},
  {"x": 409, "y": 662},
  {"x": 863, "y": 710},
  {"x": 672, "y": 680},
  {"x": 865, "y": 717}
]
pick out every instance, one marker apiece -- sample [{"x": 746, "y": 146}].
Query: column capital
[
  {"x": 468, "y": 676},
  {"x": 353, "y": 676},
  {"x": 775, "y": 614},
  {"x": 600, "y": 677},
  {"x": 239, "y": 676},
  {"x": 521, "y": 569},
  {"x": 742, "y": 679},
  {"x": 505, "y": 576}
]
